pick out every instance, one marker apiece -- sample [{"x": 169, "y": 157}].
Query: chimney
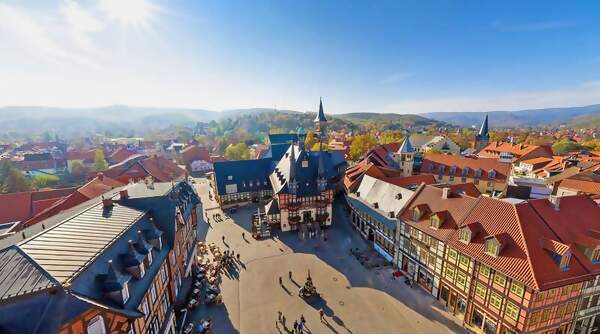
[
  {"x": 358, "y": 194},
  {"x": 392, "y": 214},
  {"x": 555, "y": 202},
  {"x": 124, "y": 194},
  {"x": 445, "y": 193},
  {"x": 376, "y": 205},
  {"x": 107, "y": 202},
  {"x": 100, "y": 176}
]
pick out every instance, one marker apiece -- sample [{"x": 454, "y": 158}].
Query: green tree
[
  {"x": 563, "y": 146},
  {"x": 15, "y": 182},
  {"x": 5, "y": 167},
  {"x": 44, "y": 181},
  {"x": 99, "y": 161},
  {"x": 360, "y": 145},
  {"x": 237, "y": 152}
]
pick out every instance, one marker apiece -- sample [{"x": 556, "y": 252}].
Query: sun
[{"x": 129, "y": 12}]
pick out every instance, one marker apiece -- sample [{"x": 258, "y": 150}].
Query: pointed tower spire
[
  {"x": 321, "y": 115},
  {"x": 406, "y": 146},
  {"x": 293, "y": 184},
  {"x": 484, "y": 131}
]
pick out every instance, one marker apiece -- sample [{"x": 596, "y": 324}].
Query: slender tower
[{"x": 483, "y": 137}]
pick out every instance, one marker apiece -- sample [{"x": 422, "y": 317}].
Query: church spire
[
  {"x": 321, "y": 115},
  {"x": 293, "y": 184},
  {"x": 484, "y": 131}
]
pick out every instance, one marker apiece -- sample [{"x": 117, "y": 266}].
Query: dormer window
[
  {"x": 478, "y": 173},
  {"x": 441, "y": 168},
  {"x": 453, "y": 170},
  {"x": 431, "y": 167},
  {"x": 492, "y": 174},
  {"x": 465, "y": 235},
  {"x": 465, "y": 171},
  {"x": 416, "y": 214},
  {"x": 492, "y": 247},
  {"x": 229, "y": 177},
  {"x": 399, "y": 196},
  {"x": 435, "y": 221}
]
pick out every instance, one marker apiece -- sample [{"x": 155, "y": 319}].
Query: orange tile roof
[
  {"x": 517, "y": 150},
  {"x": 586, "y": 182},
  {"x": 429, "y": 200},
  {"x": 432, "y": 161},
  {"x": 21, "y": 206},
  {"x": 571, "y": 231},
  {"x": 538, "y": 160},
  {"x": 523, "y": 232}
]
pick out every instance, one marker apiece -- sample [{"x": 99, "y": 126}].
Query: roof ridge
[
  {"x": 412, "y": 199},
  {"x": 526, "y": 248}
]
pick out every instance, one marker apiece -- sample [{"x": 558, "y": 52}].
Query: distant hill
[
  {"x": 521, "y": 118},
  {"x": 127, "y": 120}
]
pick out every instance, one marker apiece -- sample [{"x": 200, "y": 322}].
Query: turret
[
  {"x": 405, "y": 157},
  {"x": 483, "y": 137}
]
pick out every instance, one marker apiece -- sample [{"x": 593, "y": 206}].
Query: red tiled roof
[
  {"x": 21, "y": 206},
  {"x": 120, "y": 154},
  {"x": 536, "y": 161},
  {"x": 432, "y": 162},
  {"x": 429, "y": 200},
  {"x": 523, "y": 256},
  {"x": 140, "y": 166},
  {"x": 193, "y": 153},
  {"x": 467, "y": 188},
  {"x": 517, "y": 150},
  {"x": 580, "y": 231}
]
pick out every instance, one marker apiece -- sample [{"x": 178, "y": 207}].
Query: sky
[{"x": 368, "y": 56}]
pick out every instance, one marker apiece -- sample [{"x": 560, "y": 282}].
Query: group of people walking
[{"x": 297, "y": 327}]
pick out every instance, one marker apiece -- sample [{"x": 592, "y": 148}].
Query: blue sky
[{"x": 369, "y": 56}]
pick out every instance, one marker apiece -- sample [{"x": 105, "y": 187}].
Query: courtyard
[{"x": 354, "y": 299}]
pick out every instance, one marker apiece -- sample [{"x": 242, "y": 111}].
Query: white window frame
[{"x": 96, "y": 325}]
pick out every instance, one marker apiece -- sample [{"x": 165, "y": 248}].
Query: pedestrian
[
  {"x": 301, "y": 327},
  {"x": 321, "y": 314},
  {"x": 290, "y": 275},
  {"x": 238, "y": 256},
  {"x": 283, "y": 320},
  {"x": 279, "y": 314},
  {"x": 280, "y": 282},
  {"x": 223, "y": 237},
  {"x": 243, "y": 235},
  {"x": 295, "y": 326},
  {"x": 302, "y": 320}
]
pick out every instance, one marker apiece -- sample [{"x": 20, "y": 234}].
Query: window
[
  {"x": 464, "y": 261},
  {"x": 492, "y": 174},
  {"x": 434, "y": 222},
  {"x": 96, "y": 325},
  {"x": 545, "y": 315},
  {"x": 492, "y": 247},
  {"x": 229, "y": 177},
  {"x": 145, "y": 308},
  {"x": 540, "y": 296},
  {"x": 461, "y": 279},
  {"x": 452, "y": 254},
  {"x": 149, "y": 258},
  {"x": 596, "y": 256},
  {"x": 416, "y": 214},
  {"x": 142, "y": 270},
  {"x": 517, "y": 289},
  {"x": 163, "y": 274},
  {"x": 560, "y": 311},
  {"x": 480, "y": 290},
  {"x": 500, "y": 279},
  {"x": 164, "y": 304},
  {"x": 465, "y": 235},
  {"x": 484, "y": 270},
  {"x": 535, "y": 318},
  {"x": 153, "y": 293},
  {"x": 495, "y": 300},
  {"x": 512, "y": 310},
  {"x": 125, "y": 293},
  {"x": 565, "y": 290},
  {"x": 450, "y": 273}
]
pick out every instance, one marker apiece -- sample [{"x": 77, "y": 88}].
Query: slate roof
[
  {"x": 20, "y": 275},
  {"x": 67, "y": 248},
  {"x": 282, "y": 138},
  {"x": 306, "y": 175},
  {"x": 320, "y": 115},
  {"x": 406, "y": 146},
  {"x": 243, "y": 172}
]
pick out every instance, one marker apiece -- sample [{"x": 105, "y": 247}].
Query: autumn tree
[
  {"x": 360, "y": 145},
  {"x": 15, "y": 182},
  {"x": 99, "y": 161},
  {"x": 237, "y": 152},
  {"x": 310, "y": 140}
]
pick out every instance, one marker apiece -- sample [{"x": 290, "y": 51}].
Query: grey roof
[
  {"x": 406, "y": 146},
  {"x": 142, "y": 190},
  {"x": 484, "y": 131},
  {"x": 372, "y": 190},
  {"x": 67, "y": 248},
  {"x": 20, "y": 275},
  {"x": 321, "y": 115}
]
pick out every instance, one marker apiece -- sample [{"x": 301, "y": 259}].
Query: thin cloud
[
  {"x": 585, "y": 93},
  {"x": 396, "y": 77},
  {"x": 532, "y": 26}
]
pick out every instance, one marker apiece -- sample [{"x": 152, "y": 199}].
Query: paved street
[{"x": 354, "y": 299}]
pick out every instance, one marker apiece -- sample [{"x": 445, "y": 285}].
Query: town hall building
[{"x": 297, "y": 183}]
